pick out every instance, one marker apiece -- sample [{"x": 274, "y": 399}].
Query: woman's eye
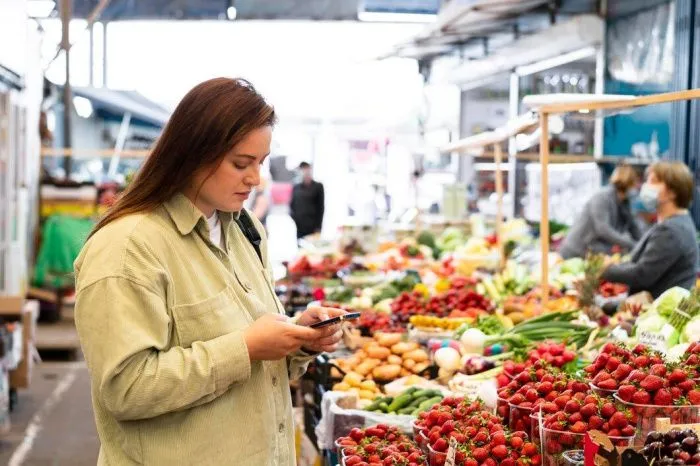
[{"x": 239, "y": 166}]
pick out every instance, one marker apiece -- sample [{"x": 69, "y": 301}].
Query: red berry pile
[
  {"x": 610, "y": 290},
  {"x": 555, "y": 354},
  {"x": 615, "y": 363},
  {"x": 373, "y": 322},
  {"x": 380, "y": 446},
  {"x": 496, "y": 449},
  {"x": 661, "y": 385},
  {"x": 692, "y": 355},
  {"x": 409, "y": 304},
  {"x": 564, "y": 428}
]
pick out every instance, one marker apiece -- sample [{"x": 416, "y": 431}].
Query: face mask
[{"x": 649, "y": 196}]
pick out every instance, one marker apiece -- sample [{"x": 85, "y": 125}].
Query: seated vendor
[{"x": 667, "y": 255}]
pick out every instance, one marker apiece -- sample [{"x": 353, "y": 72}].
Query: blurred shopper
[
  {"x": 260, "y": 203},
  {"x": 308, "y": 203},
  {"x": 667, "y": 255},
  {"x": 606, "y": 222},
  {"x": 189, "y": 350}
]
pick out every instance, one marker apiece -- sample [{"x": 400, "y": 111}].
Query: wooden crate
[{"x": 22, "y": 375}]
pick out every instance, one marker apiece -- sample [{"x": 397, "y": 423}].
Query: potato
[
  {"x": 404, "y": 347},
  {"x": 353, "y": 379},
  {"x": 369, "y": 385},
  {"x": 341, "y": 387},
  {"x": 366, "y": 395},
  {"x": 404, "y": 372},
  {"x": 420, "y": 367},
  {"x": 387, "y": 372},
  {"x": 409, "y": 363},
  {"x": 378, "y": 352},
  {"x": 360, "y": 355},
  {"x": 373, "y": 362},
  {"x": 418, "y": 355},
  {"x": 364, "y": 369},
  {"x": 388, "y": 339},
  {"x": 393, "y": 359}
]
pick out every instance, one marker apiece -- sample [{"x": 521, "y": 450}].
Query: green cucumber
[
  {"x": 374, "y": 405},
  {"x": 399, "y": 402},
  {"x": 427, "y": 404},
  {"x": 384, "y": 407},
  {"x": 408, "y": 410},
  {"x": 417, "y": 401}
]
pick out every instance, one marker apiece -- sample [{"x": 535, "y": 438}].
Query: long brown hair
[{"x": 208, "y": 122}]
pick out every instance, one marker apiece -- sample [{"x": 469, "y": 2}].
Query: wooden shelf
[{"x": 86, "y": 153}]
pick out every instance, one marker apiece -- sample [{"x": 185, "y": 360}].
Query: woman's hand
[
  {"x": 272, "y": 337},
  {"x": 329, "y": 337}
]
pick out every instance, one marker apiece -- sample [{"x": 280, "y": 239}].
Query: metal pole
[
  {"x": 598, "y": 129},
  {"x": 544, "y": 214},
  {"x": 91, "y": 60},
  {"x": 66, "y": 13},
  {"x": 119, "y": 146},
  {"x": 104, "y": 54},
  {"x": 512, "y": 149}
]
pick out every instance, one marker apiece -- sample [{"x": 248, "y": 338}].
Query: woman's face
[
  {"x": 664, "y": 194},
  {"x": 228, "y": 187}
]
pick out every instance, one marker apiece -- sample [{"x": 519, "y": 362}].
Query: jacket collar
[{"x": 187, "y": 216}]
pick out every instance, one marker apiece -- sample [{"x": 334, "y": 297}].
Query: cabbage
[
  {"x": 676, "y": 353},
  {"x": 650, "y": 321},
  {"x": 573, "y": 266},
  {"x": 669, "y": 300},
  {"x": 691, "y": 332}
]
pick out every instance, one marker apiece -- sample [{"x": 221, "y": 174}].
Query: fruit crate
[
  {"x": 647, "y": 416},
  {"x": 604, "y": 392},
  {"x": 503, "y": 409},
  {"x": 519, "y": 419},
  {"x": 557, "y": 446},
  {"x": 436, "y": 458}
]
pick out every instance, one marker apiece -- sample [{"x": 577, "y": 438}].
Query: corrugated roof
[{"x": 119, "y": 102}]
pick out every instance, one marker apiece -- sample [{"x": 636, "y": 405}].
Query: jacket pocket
[{"x": 213, "y": 317}]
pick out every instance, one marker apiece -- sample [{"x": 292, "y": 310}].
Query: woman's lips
[{"x": 243, "y": 195}]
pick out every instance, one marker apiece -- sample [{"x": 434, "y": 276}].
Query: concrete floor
[{"x": 52, "y": 424}]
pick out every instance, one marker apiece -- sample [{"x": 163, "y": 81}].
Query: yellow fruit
[
  {"x": 368, "y": 385},
  {"x": 341, "y": 387},
  {"x": 367, "y": 394}
]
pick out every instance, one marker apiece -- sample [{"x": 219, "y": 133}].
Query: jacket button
[
  {"x": 281, "y": 428},
  {"x": 274, "y": 381}
]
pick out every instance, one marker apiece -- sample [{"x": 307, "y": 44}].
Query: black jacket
[{"x": 307, "y": 207}]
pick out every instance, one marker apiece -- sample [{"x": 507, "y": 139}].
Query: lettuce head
[{"x": 669, "y": 300}]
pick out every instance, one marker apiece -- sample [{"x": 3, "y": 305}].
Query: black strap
[{"x": 250, "y": 232}]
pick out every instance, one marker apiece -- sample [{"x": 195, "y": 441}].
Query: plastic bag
[
  {"x": 337, "y": 421},
  {"x": 62, "y": 239}
]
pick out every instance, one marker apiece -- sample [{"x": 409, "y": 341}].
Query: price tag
[
  {"x": 657, "y": 340},
  {"x": 477, "y": 388},
  {"x": 451, "y": 453}
]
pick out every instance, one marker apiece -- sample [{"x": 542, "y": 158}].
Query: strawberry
[
  {"x": 529, "y": 449},
  {"x": 447, "y": 427},
  {"x": 637, "y": 376},
  {"x": 612, "y": 364},
  {"x": 614, "y": 433},
  {"x": 687, "y": 385},
  {"x": 471, "y": 462},
  {"x": 628, "y": 431},
  {"x": 590, "y": 399},
  {"x": 622, "y": 371},
  {"x": 607, "y": 410},
  {"x": 545, "y": 387},
  {"x": 595, "y": 422},
  {"x": 640, "y": 349},
  {"x": 579, "y": 427},
  {"x": 618, "y": 421},
  {"x": 480, "y": 454},
  {"x": 663, "y": 398},
  {"x": 504, "y": 462},
  {"x": 694, "y": 397},
  {"x": 532, "y": 395},
  {"x": 677, "y": 376},
  {"x": 641, "y": 362},
  {"x": 658, "y": 370},
  {"x": 440, "y": 445},
  {"x": 498, "y": 438},
  {"x": 652, "y": 383},
  {"x": 626, "y": 392},
  {"x": 641, "y": 397},
  {"x": 589, "y": 410},
  {"x": 499, "y": 451},
  {"x": 609, "y": 384},
  {"x": 676, "y": 393},
  {"x": 572, "y": 406},
  {"x": 601, "y": 377}
]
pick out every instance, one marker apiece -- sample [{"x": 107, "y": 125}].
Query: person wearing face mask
[
  {"x": 606, "y": 221},
  {"x": 667, "y": 255},
  {"x": 189, "y": 350}
]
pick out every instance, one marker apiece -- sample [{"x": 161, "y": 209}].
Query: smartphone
[{"x": 336, "y": 320}]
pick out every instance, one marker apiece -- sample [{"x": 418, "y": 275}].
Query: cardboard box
[{"x": 22, "y": 375}]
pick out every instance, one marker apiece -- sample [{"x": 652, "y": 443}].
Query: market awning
[{"x": 116, "y": 103}]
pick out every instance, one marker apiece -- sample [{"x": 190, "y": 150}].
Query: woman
[
  {"x": 188, "y": 349},
  {"x": 667, "y": 255},
  {"x": 606, "y": 221}
]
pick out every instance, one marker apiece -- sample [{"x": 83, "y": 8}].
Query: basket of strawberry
[
  {"x": 500, "y": 448},
  {"x": 379, "y": 445},
  {"x": 565, "y": 429},
  {"x": 663, "y": 390},
  {"x": 615, "y": 363},
  {"x": 692, "y": 359}
]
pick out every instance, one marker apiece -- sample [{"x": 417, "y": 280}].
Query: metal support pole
[
  {"x": 598, "y": 129},
  {"x": 66, "y": 13},
  {"x": 91, "y": 59},
  {"x": 104, "y": 54},
  {"x": 514, "y": 111},
  {"x": 544, "y": 214},
  {"x": 119, "y": 146}
]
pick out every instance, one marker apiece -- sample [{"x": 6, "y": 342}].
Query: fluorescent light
[
  {"x": 584, "y": 111},
  {"x": 380, "y": 17},
  {"x": 83, "y": 106},
  {"x": 40, "y": 8},
  {"x": 231, "y": 13}
]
